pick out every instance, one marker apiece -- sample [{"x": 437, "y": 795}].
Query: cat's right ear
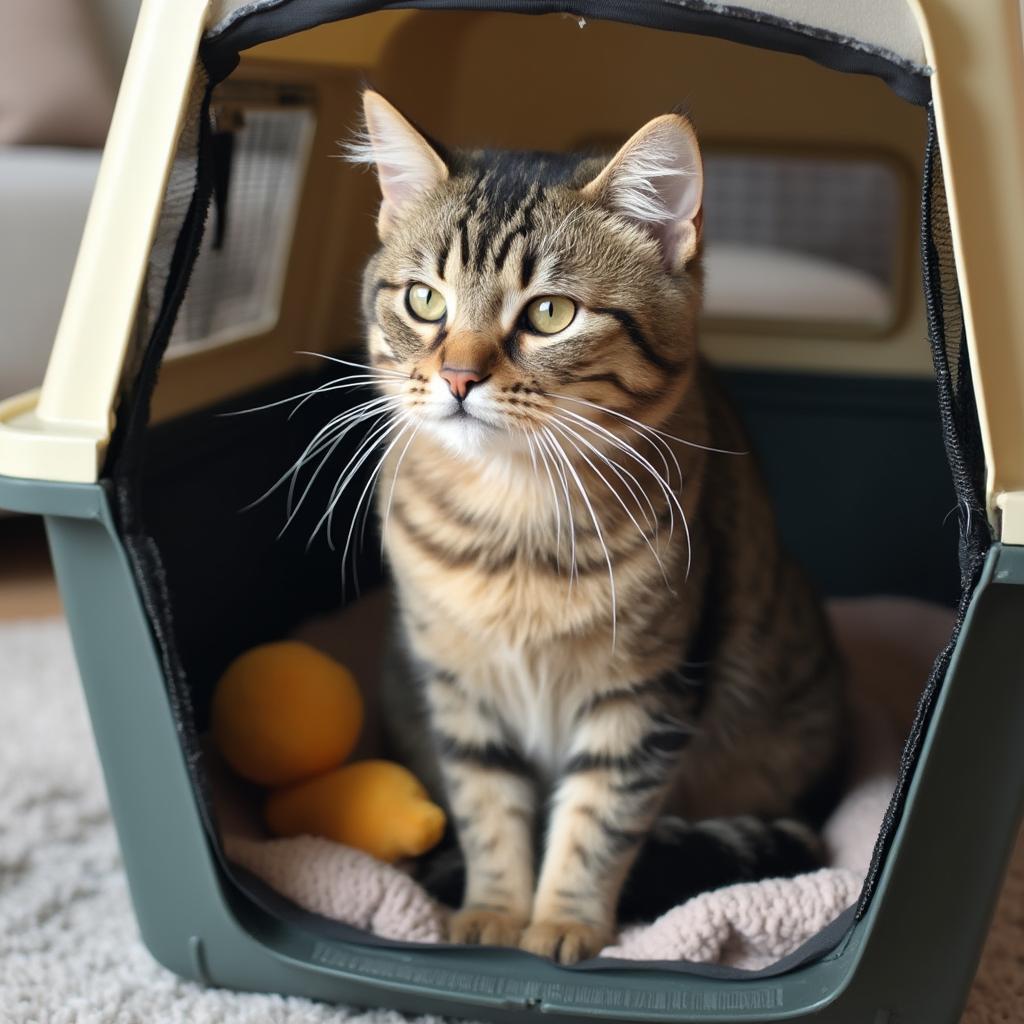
[{"x": 407, "y": 164}]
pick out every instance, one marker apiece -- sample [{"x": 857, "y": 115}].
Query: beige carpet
[{"x": 69, "y": 949}]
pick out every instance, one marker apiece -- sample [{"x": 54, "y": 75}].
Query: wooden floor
[{"x": 27, "y": 586}]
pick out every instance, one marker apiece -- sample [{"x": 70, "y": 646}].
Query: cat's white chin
[
  {"x": 462, "y": 435},
  {"x": 468, "y": 436}
]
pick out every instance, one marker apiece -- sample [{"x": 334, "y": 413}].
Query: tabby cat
[{"x": 598, "y": 626}]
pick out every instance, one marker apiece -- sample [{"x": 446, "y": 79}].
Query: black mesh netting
[
  {"x": 962, "y": 438},
  {"x": 240, "y": 266}
]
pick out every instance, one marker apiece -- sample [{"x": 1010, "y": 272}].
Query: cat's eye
[
  {"x": 425, "y": 303},
  {"x": 551, "y": 314}
]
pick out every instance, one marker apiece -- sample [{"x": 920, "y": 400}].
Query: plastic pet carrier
[{"x": 853, "y": 150}]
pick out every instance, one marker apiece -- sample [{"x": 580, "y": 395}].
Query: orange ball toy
[{"x": 283, "y": 712}]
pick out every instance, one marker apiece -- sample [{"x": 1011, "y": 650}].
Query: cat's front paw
[
  {"x": 477, "y": 927},
  {"x": 566, "y": 942}
]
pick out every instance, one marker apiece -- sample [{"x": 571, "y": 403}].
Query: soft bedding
[{"x": 889, "y": 644}]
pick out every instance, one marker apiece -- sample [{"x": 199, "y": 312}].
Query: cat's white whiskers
[
  {"x": 650, "y": 513},
  {"x": 646, "y": 427},
  {"x": 545, "y": 446},
  {"x": 362, "y": 451},
  {"x": 329, "y": 447},
  {"x": 369, "y": 443},
  {"x": 649, "y": 434},
  {"x": 658, "y": 445},
  {"x": 330, "y": 444},
  {"x": 403, "y": 420},
  {"x": 563, "y": 480},
  {"x": 665, "y": 486},
  {"x": 597, "y": 524},
  {"x": 533, "y": 464},
  {"x": 309, "y": 452},
  {"x": 554, "y": 495},
  {"x": 394, "y": 483},
  {"x": 567, "y": 431},
  {"x": 337, "y": 384},
  {"x": 529, "y": 445},
  {"x": 625, "y": 477},
  {"x": 366, "y": 408},
  {"x": 627, "y": 449},
  {"x": 358, "y": 366},
  {"x": 332, "y": 435},
  {"x": 273, "y": 405},
  {"x": 341, "y": 384},
  {"x": 558, "y": 507}
]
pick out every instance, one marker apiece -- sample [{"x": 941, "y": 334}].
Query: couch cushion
[{"x": 46, "y": 194}]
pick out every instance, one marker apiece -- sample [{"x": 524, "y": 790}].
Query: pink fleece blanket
[{"x": 889, "y": 644}]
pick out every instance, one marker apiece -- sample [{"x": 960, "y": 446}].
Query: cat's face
[{"x": 516, "y": 293}]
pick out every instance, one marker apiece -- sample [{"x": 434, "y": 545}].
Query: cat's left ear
[
  {"x": 656, "y": 180},
  {"x": 407, "y": 164}
]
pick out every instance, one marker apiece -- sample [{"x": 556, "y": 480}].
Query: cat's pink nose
[{"x": 460, "y": 381}]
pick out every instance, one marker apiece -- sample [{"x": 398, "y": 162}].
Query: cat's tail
[{"x": 681, "y": 859}]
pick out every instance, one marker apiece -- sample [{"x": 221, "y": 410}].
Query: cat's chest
[
  {"x": 488, "y": 558},
  {"x": 536, "y": 697}
]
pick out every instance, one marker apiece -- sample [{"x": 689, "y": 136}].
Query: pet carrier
[{"x": 222, "y": 240}]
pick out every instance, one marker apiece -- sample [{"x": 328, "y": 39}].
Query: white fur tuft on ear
[
  {"x": 656, "y": 180},
  {"x": 407, "y": 165}
]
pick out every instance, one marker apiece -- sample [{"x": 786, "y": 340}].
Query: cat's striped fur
[{"x": 576, "y": 659}]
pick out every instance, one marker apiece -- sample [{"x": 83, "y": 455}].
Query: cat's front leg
[
  {"x": 621, "y": 763},
  {"x": 492, "y": 795}
]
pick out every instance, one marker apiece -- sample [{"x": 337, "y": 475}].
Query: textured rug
[{"x": 69, "y": 948}]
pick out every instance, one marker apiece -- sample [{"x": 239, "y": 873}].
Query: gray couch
[{"x": 44, "y": 197}]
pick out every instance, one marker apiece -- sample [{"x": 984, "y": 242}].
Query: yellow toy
[
  {"x": 285, "y": 715},
  {"x": 376, "y": 806}
]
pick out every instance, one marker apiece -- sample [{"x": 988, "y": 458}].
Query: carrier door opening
[{"x": 810, "y": 178}]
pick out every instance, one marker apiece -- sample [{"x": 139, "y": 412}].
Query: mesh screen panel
[
  {"x": 236, "y": 282},
  {"x": 849, "y": 211}
]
